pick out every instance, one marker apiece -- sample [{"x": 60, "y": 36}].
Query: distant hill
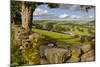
[{"x": 93, "y": 21}]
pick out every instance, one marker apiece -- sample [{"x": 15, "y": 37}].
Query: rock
[
  {"x": 75, "y": 51},
  {"x": 73, "y": 60},
  {"x": 21, "y": 47},
  {"x": 89, "y": 56},
  {"x": 31, "y": 36},
  {"x": 43, "y": 61},
  {"x": 50, "y": 44},
  {"x": 86, "y": 48},
  {"x": 42, "y": 49},
  {"x": 26, "y": 43},
  {"x": 16, "y": 34},
  {"x": 62, "y": 45},
  {"x": 56, "y": 55}
]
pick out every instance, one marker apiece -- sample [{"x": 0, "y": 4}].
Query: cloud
[
  {"x": 63, "y": 16},
  {"x": 45, "y": 11},
  {"x": 91, "y": 16},
  {"x": 40, "y": 11},
  {"x": 74, "y": 16},
  {"x": 64, "y": 12},
  {"x": 72, "y": 7}
]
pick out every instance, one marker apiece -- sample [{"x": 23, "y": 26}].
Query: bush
[{"x": 31, "y": 54}]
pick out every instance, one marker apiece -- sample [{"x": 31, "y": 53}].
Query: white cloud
[
  {"x": 91, "y": 16},
  {"x": 74, "y": 16},
  {"x": 45, "y": 11},
  {"x": 39, "y": 11},
  {"x": 63, "y": 16}
]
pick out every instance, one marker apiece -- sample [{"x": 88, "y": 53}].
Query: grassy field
[
  {"x": 85, "y": 32},
  {"x": 64, "y": 31},
  {"x": 58, "y": 37}
]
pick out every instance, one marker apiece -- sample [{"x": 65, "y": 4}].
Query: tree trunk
[{"x": 27, "y": 15}]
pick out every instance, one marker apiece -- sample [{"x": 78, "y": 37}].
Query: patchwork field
[
  {"x": 59, "y": 37},
  {"x": 65, "y": 32}
]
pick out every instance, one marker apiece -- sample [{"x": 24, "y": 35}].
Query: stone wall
[{"x": 36, "y": 49}]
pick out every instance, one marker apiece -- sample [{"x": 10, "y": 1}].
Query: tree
[
  {"x": 25, "y": 10},
  {"x": 58, "y": 28},
  {"x": 86, "y": 7},
  {"x": 15, "y": 12},
  {"x": 49, "y": 26}
]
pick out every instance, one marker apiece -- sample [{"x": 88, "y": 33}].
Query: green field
[
  {"x": 64, "y": 31},
  {"x": 58, "y": 37}
]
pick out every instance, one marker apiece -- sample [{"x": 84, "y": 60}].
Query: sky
[{"x": 64, "y": 12}]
